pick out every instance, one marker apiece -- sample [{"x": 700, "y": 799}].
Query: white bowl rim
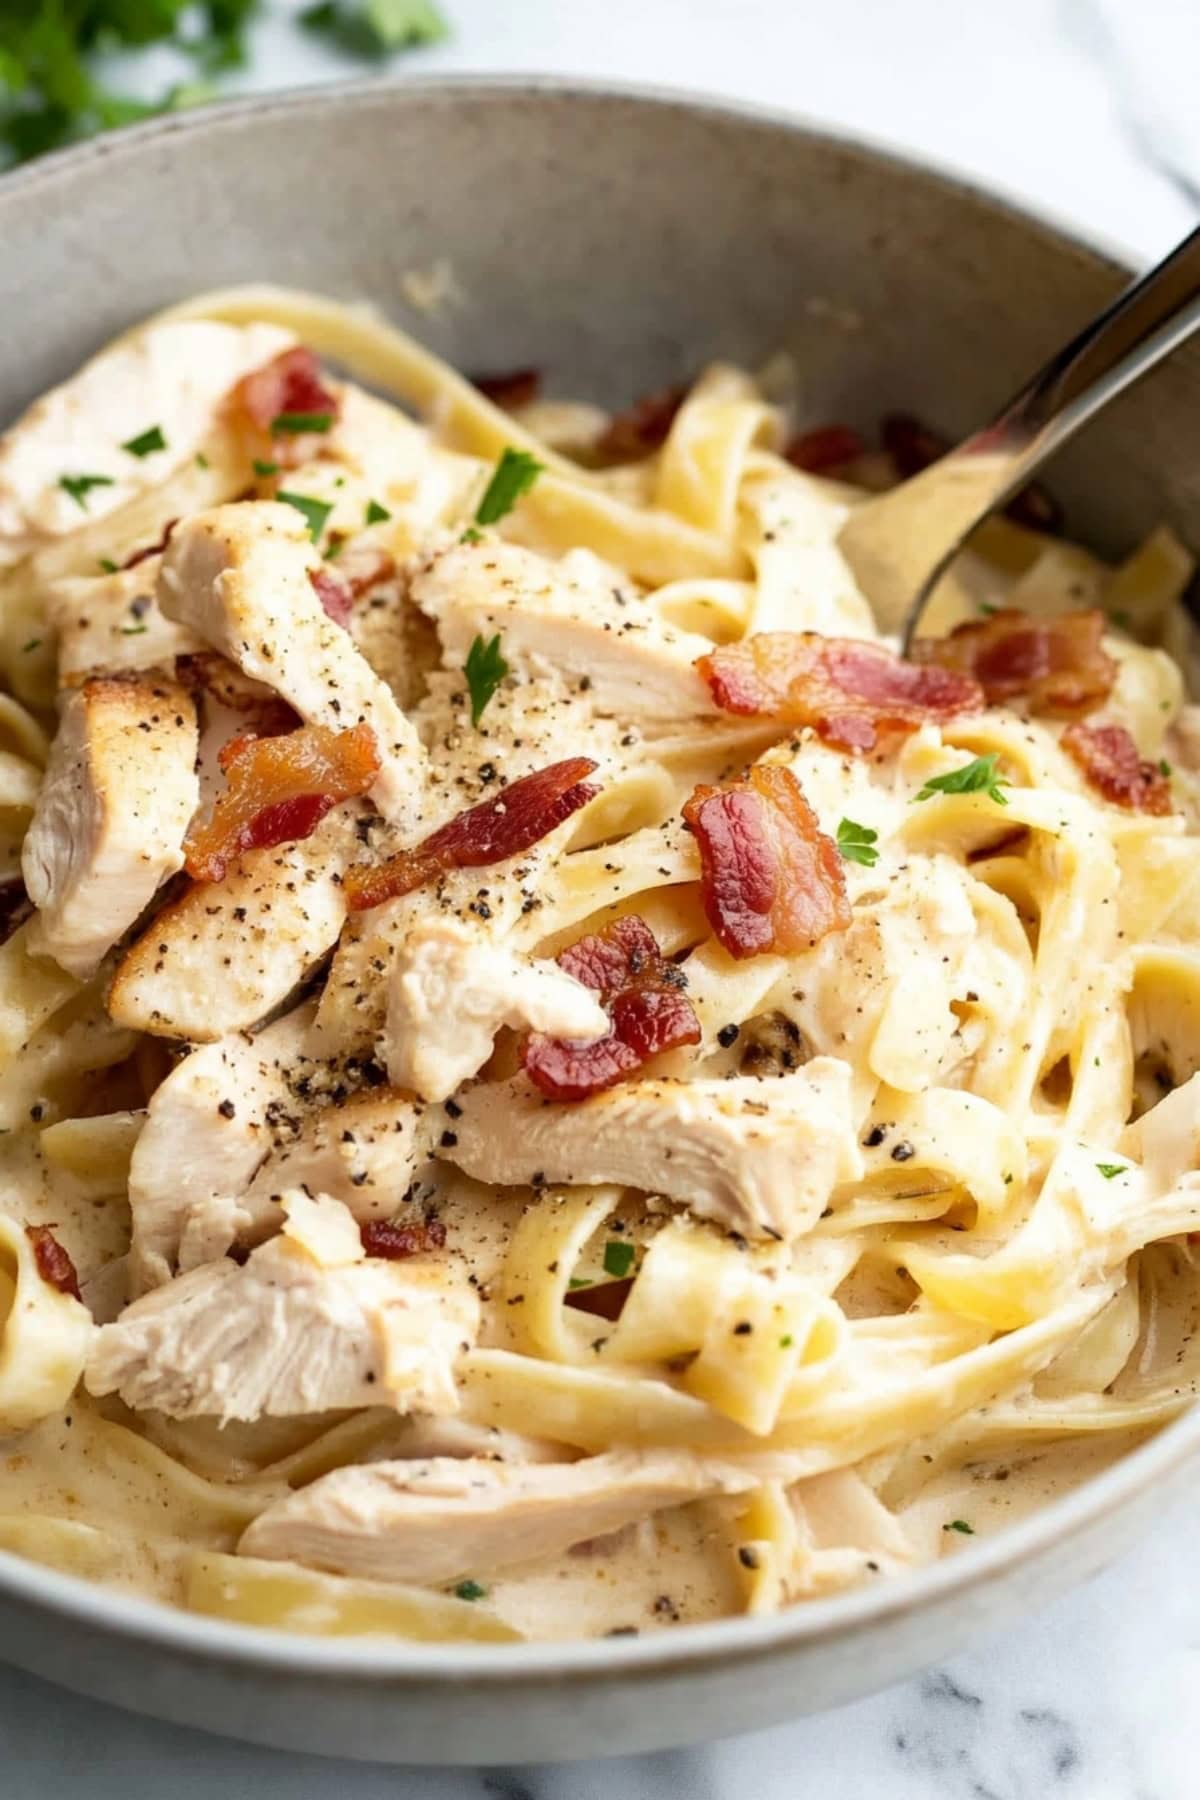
[{"x": 380, "y": 1661}]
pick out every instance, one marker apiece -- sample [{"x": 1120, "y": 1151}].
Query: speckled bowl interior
[{"x": 617, "y": 240}]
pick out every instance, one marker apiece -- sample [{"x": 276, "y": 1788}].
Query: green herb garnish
[
  {"x": 578, "y": 1281},
  {"x": 1164, "y": 767},
  {"x": 470, "y": 1590},
  {"x": 80, "y": 486},
  {"x": 265, "y": 468},
  {"x": 376, "y": 514},
  {"x": 485, "y": 668},
  {"x": 33, "y": 644},
  {"x": 108, "y": 565},
  {"x": 960, "y": 1525},
  {"x": 618, "y": 1258},
  {"x": 513, "y": 476},
  {"x": 785, "y": 1343},
  {"x": 471, "y": 536},
  {"x": 147, "y": 443},
  {"x": 133, "y": 630},
  {"x": 315, "y": 511},
  {"x": 376, "y": 28},
  {"x": 295, "y": 424},
  {"x": 1108, "y": 1170},
  {"x": 856, "y": 843},
  {"x": 976, "y": 777},
  {"x": 202, "y": 461}
]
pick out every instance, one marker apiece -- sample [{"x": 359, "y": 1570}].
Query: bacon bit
[
  {"x": 642, "y": 994},
  {"x": 524, "y": 813},
  {"x": 912, "y": 446},
  {"x": 53, "y": 1264},
  {"x": 1109, "y": 758},
  {"x": 290, "y": 383},
  {"x": 1056, "y": 663},
  {"x": 825, "y": 447},
  {"x": 850, "y": 691},
  {"x": 513, "y": 389},
  {"x": 334, "y": 594},
  {"x": 395, "y": 1242},
  {"x": 770, "y": 879},
  {"x": 633, "y": 434},
  {"x": 15, "y": 907},
  {"x": 604, "y": 1301},
  {"x": 155, "y": 549},
  {"x": 279, "y": 790},
  {"x": 210, "y": 672}
]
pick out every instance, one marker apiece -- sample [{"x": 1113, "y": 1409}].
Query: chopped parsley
[
  {"x": 485, "y": 668},
  {"x": 960, "y": 1525},
  {"x": 976, "y": 777},
  {"x": 471, "y": 536},
  {"x": 147, "y": 443},
  {"x": 785, "y": 1343},
  {"x": 1164, "y": 767},
  {"x": 265, "y": 468},
  {"x": 315, "y": 511},
  {"x": 470, "y": 1590},
  {"x": 295, "y": 424},
  {"x": 987, "y": 609},
  {"x": 1108, "y": 1170},
  {"x": 80, "y": 486},
  {"x": 108, "y": 565},
  {"x": 202, "y": 461},
  {"x": 578, "y": 1281},
  {"x": 33, "y": 644},
  {"x": 513, "y": 476},
  {"x": 376, "y": 514},
  {"x": 376, "y": 28},
  {"x": 618, "y": 1258},
  {"x": 857, "y": 843},
  {"x": 133, "y": 630}
]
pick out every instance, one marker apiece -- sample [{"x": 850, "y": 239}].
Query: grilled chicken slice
[
  {"x": 362, "y": 1151},
  {"x": 110, "y": 819},
  {"x": 758, "y": 1157},
  {"x": 207, "y": 1130},
  {"x": 439, "y": 1520},
  {"x": 450, "y": 992},
  {"x": 172, "y": 375},
  {"x": 307, "y": 1324},
  {"x": 111, "y": 623},
  {"x": 240, "y": 577},
  {"x": 226, "y": 953},
  {"x": 568, "y": 616}
]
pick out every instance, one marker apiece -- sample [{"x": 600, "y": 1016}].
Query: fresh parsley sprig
[
  {"x": 857, "y": 843},
  {"x": 315, "y": 511},
  {"x": 80, "y": 486},
  {"x": 976, "y": 777},
  {"x": 146, "y": 443},
  {"x": 485, "y": 668},
  {"x": 513, "y": 476}
]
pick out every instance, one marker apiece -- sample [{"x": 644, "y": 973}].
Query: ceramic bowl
[{"x": 617, "y": 240}]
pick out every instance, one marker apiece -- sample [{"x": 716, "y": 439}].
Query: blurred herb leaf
[{"x": 377, "y": 28}]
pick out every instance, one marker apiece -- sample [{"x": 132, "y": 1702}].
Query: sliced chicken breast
[
  {"x": 107, "y": 624},
  {"x": 240, "y": 577},
  {"x": 108, "y": 828},
  {"x": 363, "y": 1151},
  {"x": 172, "y": 376},
  {"x": 226, "y": 953},
  {"x": 567, "y": 616},
  {"x": 451, "y": 990},
  {"x": 286, "y": 1333},
  {"x": 760, "y": 1157},
  {"x": 439, "y": 1520}
]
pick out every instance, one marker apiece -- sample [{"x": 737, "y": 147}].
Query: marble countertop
[{"x": 1085, "y": 110}]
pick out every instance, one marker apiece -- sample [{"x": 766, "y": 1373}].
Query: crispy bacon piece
[
  {"x": 825, "y": 447},
  {"x": 149, "y": 550},
  {"x": 53, "y": 1264},
  {"x": 1056, "y": 664},
  {"x": 1109, "y": 758},
  {"x": 512, "y": 389},
  {"x": 912, "y": 446},
  {"x": 333, "y": 594},
  {"x": 209, "y": 672},
  {"x": 521, "y": 815},
  {"x": 641, "y": 429},
  {"x": 770, "y": 879},
  {"x": 290, "y": 383},
  {"x": 387, "y": 1238},
  {"x": 849, "y": 691},
  {"x": 643, "y": 996},
  {"x": 280, "y": 788}
]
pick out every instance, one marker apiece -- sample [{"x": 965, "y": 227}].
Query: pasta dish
[{"x": 551, "y": 1083}]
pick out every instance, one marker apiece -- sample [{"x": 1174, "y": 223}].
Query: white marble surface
[{"x": 1085, "y": 109}]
